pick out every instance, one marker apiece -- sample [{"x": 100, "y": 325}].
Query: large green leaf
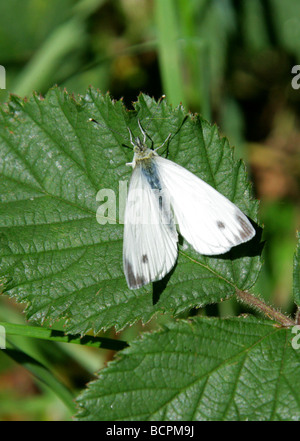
[
  {"x": 56, "y": 256},
  {"x": 206, "y": 369}
]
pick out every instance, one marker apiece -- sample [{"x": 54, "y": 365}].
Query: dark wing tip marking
[
  {"x": 247, "y": 230},
  {"x": 145, "y": 258},
  {"x": 132, "y": 280}
]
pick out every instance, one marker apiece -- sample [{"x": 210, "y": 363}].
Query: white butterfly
[{"x": 160, "y": 193}]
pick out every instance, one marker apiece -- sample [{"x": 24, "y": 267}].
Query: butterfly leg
[
  {"x": 165, "y": 141},
  {"x": 131, "y": 137}
]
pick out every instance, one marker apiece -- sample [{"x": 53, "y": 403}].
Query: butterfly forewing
[
  {"x": 206, "y": 219},
  {"x": 150, "y": 236}
]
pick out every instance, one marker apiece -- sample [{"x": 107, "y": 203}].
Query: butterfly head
[
  {"x": 141, "y": 151},
  {"x": 139, "y": 146}
]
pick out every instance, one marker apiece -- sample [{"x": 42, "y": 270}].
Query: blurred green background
[{"x": 229, "y": 60}]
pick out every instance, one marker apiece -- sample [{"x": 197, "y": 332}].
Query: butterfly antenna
[{"x": 143, "y": 132}]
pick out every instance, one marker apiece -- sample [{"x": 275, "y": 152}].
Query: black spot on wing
[
  {"x": 145, "y": 258},
  {"x": 220, "y": 225},
  {"x": 132, "y": 280}
]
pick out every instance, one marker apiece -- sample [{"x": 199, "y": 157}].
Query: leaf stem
[{"x": 261, "y": 306}]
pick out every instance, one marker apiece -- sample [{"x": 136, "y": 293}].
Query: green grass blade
[
  {"x": 42, "y": 374},
  {"x": 63, "y": 40},
  {"x": 168, "y": 51}
]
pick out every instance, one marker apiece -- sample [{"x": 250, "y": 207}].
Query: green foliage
[
  {"x": 21, "y": 34},
  {"x": 56, "y": 255},
  {"x": 228, "y": 59},
  {"x": 58, "y": 259},
  {"x": 206, "y": 369},
  {"x": 42, "y": 373}
]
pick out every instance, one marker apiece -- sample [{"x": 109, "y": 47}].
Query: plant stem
[{"x": 261, "y": 306}]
